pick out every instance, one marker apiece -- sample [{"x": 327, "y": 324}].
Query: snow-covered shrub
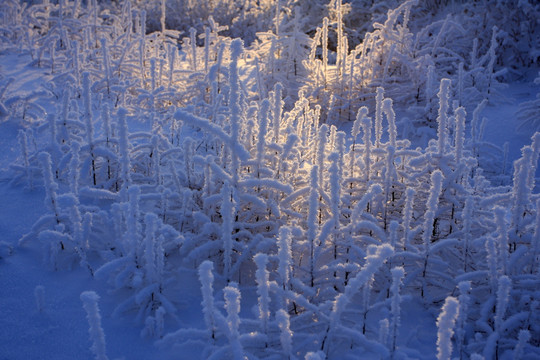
[{"x": 231, "y": 159}]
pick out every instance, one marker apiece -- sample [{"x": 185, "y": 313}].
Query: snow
[
  {"x": 61, "y": 330},
  {"x": 502, "y": 124},
  {"x": 185, "y": 207}
]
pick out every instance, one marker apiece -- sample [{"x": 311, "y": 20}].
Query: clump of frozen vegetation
[{"x": 165, "y": 153}]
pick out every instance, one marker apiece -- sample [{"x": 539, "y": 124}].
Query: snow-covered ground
[{"x": 502, "y": 123}]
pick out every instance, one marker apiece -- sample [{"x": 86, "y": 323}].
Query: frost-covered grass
[{"x": 302, "y": 192}]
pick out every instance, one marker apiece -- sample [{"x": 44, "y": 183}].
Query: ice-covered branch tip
[
  {"x": 227, "y": 213},
  {"x": 461, "y": 114},
  {"x": 90, "y": 303},
  {"x": 360, "y": 115},
  {"x": 263, "y": 126},
  {"x": 397, "y": 276},
  {"x": 277, "y": 110},
  {"x": 444, "y": 96},
  {"x": 502, "y": 239},
  {"x": 231, "y": 294},
  {"x": 123, "y": 149},
  {"x": 206, "y": 277},
  {"x": 285, "y": 337},
  {"x": 262, "y": 278},
  {"x": 445, "y": 325},
  {"x": 284, "y": 255},
  {"x": 432, "y": 205},
  {"x": 523, "y": 338},
  {"x": 50, "y": 185},
  {"x": 237, "y": 47},
  {"x": 378, "y": 115},
  {"x": 503, "y": 297},
  {"x": 387, "y": 108}
]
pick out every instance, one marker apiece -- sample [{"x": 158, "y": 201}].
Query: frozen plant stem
[
  {"x": 262, "y": 278},
  {"x": 227, "y": 213},
  {"x": 325, "y": 50},
  {"x": 23, "y": 141},
  {"x": 206, "y": 277},
  {"x": 237, "y": 47},
  {"x": 90, "y": 303},
  {"x": 442, "y": 119},
  {"x": 312, "y": 222},
  {"x": 50, "y": 185},
  {"x": 397, "y": 275},
  {"x": 429, "y": 220},
  {"x": 231, "y": 295},
  {"x": 285, "y": 337},
  {"x": 88, "y": 118},
  {"x": 378, "y": 116},
  {"x": 536, "y": 240},
  {"x": 193, "y": 41},
  {"x": 464, "y": 290},
  {"x": 445, "y": 326}
]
